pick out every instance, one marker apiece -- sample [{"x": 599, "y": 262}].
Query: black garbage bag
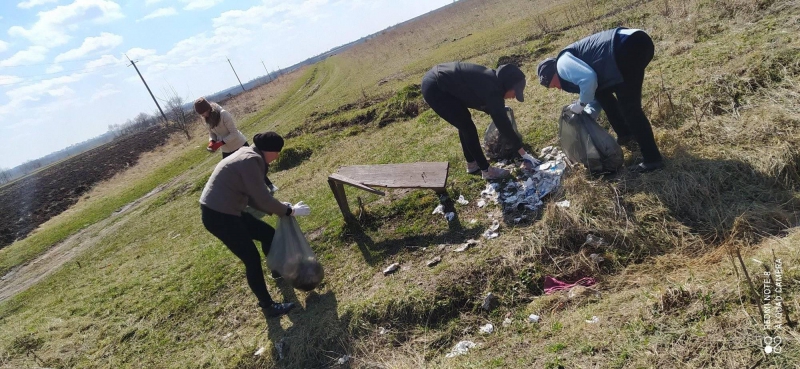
[
  {"x": 498, "y": 147},
  {"x": 584, "y": 141},
  {"x": 292, "y": 257}
]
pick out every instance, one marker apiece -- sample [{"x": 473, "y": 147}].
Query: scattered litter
[
  {"x": 382, "y": 331},
  {"x": 461, "y": 348},
  {"x": 507, "y": 322},
  {"x": 487, "y": 329},
  {"x": 489, "y": 302},
  {"x": 391, "y": 269},
  {"x": 594, "y": 320},
  {"x": 495, "y": 225},
  {"x": 439, "y": 209},
  {"x": 450, "y": 216},
  {"x": 490, "y": 235},
  {"x": 343, "y": 360},
  {"x": 434, "y": 261},
  {"x": 461, "y": 200},
  {"x": 552, "y": 285},
  {"x": 563, "y": 204},
  {"x": 533, "y": 318},
  {"x": 481, "y": 203},
  {"x": 466, "y": 245},
  {"x": 443, "y": 197},
  {"x": 260, "y": 351},
  {"x": 473, "y": 221},
  {"x": 596, "y": 258},
  {"x": 595, "y": 241}
]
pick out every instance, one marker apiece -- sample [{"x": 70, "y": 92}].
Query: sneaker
[
  {"x": 494, "y": 173},
  {"x": 277, "y": 309},
  {"x": 646, "y": 167},
  {"x": 472, "y": 167}
]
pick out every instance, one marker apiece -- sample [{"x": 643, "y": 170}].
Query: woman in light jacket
[{"x": 222, "y": 132}]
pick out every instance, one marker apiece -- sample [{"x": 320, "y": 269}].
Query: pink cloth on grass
[{"x": 552, "y": 285}]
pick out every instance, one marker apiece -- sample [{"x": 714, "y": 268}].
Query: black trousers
[
  {"x": 227, "y": 154},
  {"x": 624, "y": 111},
  {"x": 238, "y": 233},
  {"x": 457, "y": 114}
]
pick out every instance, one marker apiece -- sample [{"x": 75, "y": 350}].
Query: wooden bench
[{"x": 431, "y": 175}]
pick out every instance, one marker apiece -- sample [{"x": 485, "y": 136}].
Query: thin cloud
[
  {"x": 31, "y": 3},
  {"x": 54, "y": 69},
  {"x": 200, "y": 4},
  {"x": 9, "y": 80},
  {"x": 158, "y": 13},
  {"x": 105, "y": 91},
  {"x": 3, "y": 44},
  {"x": 151, "y": 2},
  {"x": 33, "y": 54},
  {"x": 51, "y": 29},
  {"x": 102, "y": 62},
  {"x": 105, "y": 41}
]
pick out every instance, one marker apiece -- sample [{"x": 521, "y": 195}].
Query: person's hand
[
  {"x": 210, "y": 145},
  {"x": 300, "y": 209},
  {"x": 576, "y": 107},
  {"x": 214, "y": 145},
  {"x": 531, "y": 159}
]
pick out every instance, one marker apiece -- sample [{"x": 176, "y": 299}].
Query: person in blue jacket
[{"x": 603, "y": 65}]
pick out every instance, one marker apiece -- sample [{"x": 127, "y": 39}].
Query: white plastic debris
[
  {"x": 481, "y": 203},
  {"x": 563, "y": 204},
  {"x": 473, "y": 221},
  {"x": 382, "y": 331},
  {"x": 594, "y": 320},
  {"x": 533, "y": 318},
  {"x": 595, "y": 241},
  {"x": 391, "y": 269},
  {"x": 450, "y": 216},
  {"x": 596, "y": 258},
  {"x": 461, "y": 200},
  {"x": 487, "y": 329},
  {"x": 434, "y": 261},
  {"x": 495, "y": 225},
  {"x": 260, "y": 351},
  {"x": 466, "y": 245},
  {"x": 461, "y": 348},
  {"x": 439, "y": 209},
  {"x": 490, "y": 235},
  {"x": 343, "y": 360},
  {"x": 507, "y": 322}
]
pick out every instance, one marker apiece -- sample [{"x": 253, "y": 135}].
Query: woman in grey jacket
[
  {"x": 238, "y": 181},
  {"x": 222, "y": 132}
]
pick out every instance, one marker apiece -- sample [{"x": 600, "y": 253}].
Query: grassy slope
[{"x": 148, "y": 298}]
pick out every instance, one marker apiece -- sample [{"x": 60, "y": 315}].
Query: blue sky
[{"x": 64, "y": 77}]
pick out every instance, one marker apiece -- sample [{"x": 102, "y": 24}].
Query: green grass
[{"x": 159, "y": 291}]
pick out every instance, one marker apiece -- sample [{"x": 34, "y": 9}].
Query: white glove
[
  {"x": 300, "y": 209},
  {"x": 531, "y": 159},
  {"x": 576, "y": 107}
]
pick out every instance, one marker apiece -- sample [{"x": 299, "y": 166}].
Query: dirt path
[{"x": 22, "y": 277}]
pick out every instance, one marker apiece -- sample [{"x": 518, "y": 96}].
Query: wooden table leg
[{"x": 341, "y": 198}]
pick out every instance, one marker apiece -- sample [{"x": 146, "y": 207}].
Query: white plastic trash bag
[{"x": 291, "y": 256}]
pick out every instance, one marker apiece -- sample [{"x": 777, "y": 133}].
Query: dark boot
[
  {"x": 275, "y": 309},
  {"x": 275, "y": 275}
]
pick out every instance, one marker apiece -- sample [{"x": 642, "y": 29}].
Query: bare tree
[
  {"x": 5, "y": 176},
  {"x": 177, "y": 114}
]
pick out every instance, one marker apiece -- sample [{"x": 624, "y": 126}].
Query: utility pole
[
  {"x": 265, "y": 69},
  {"x": 237, "y": 76},
  {"x": 148, "y": 89}
]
